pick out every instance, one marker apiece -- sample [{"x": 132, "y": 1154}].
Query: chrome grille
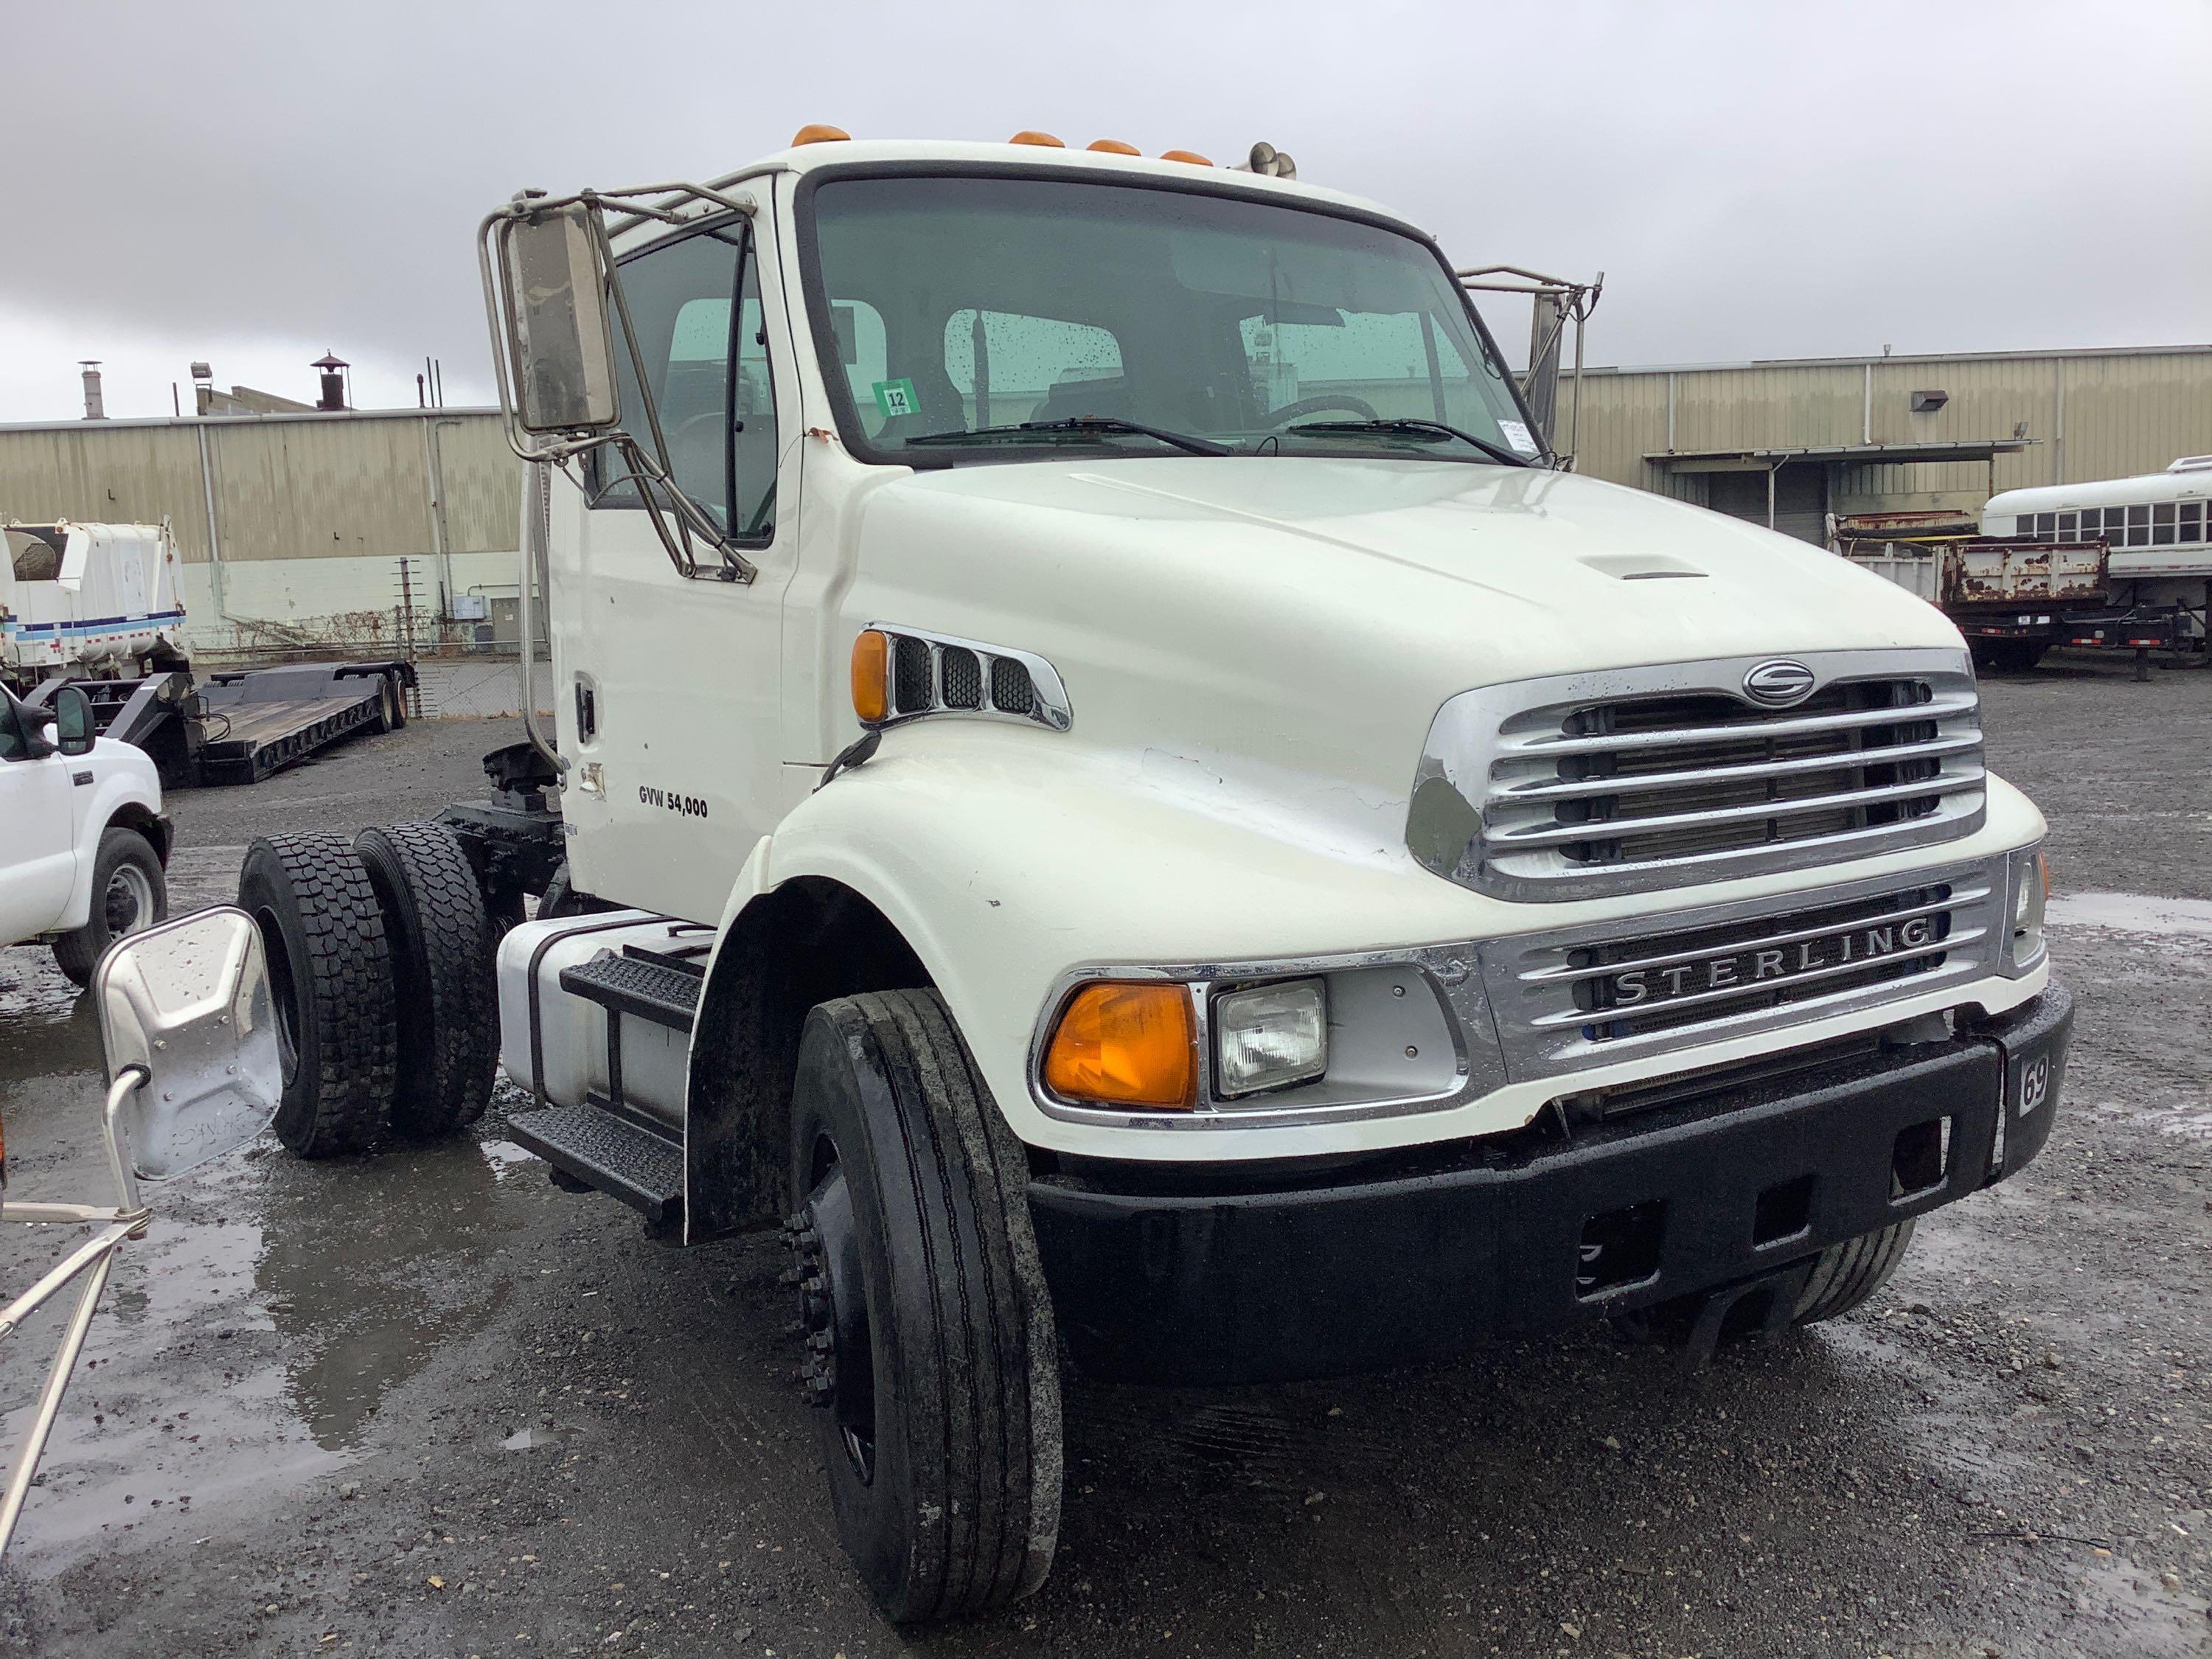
[
  {"x": 1703, "y": 975},
  {"x": 1661, "y": 777}
]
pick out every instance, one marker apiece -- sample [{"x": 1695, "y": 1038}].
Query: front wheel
[
  {"x": 1846, "y": 1274},
  {"x": 129, "y": 892},
  {"x": 931, "y": 1354}
]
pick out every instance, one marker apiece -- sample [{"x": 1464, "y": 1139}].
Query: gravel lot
[{"x": 426, "y": 1404}]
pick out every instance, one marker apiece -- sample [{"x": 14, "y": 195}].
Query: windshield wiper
[
  {"x": 1407, "y": 426},
  {"x": 1076, "y": 425}
]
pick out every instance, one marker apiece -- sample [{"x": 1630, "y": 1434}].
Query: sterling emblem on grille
[
  {"x": 1778, "y": 684},
  {"x": 1757, "y": 964}
]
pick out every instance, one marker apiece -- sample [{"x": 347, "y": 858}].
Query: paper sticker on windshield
[
  {"x": 896, "y": 398},
  {"x": 1516, "y": 434}
]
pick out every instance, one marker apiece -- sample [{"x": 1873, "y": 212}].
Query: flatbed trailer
[
  {"x": 244, "y": 725},
  {"x": 256, "y": 721}
]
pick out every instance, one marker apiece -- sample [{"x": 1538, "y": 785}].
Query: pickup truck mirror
[
  {"x": 74, "y": 729},
  {"x": 560, "y": 350},
  {"x": 189, "y": 1002}
]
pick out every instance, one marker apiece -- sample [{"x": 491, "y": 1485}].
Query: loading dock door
[{"x": 1800, "y": 498}]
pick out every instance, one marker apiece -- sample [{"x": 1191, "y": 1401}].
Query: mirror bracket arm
[
  {"x": 643, "y": 203},
  {"x": 127, "y": 1083}
]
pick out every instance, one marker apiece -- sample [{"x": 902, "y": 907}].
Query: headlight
[
  {"x": 2031, "y": 889},
  {"x": 1269, "y": 1037}
]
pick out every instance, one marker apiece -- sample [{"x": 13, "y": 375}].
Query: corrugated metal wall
[
  {"x": 134, "y": 474},
  {"x": 285, "y": 487},
  {"x": 2123, "y": 412}
]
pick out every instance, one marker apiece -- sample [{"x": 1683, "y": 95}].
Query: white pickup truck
[
  {"x": 83, "y": 842},
  {"x": 1107, "y": 780}
]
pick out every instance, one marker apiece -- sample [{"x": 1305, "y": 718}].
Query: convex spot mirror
[
  {"x": 563, "y": 358},
  {"x": 189, "y": 1000},
  {"x": 74, "y": 730}
]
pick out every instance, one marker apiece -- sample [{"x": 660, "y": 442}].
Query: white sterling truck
[{"x": 1105, "y": 780}]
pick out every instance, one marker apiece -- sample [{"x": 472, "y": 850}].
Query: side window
[
  {"x": 679, "y": 297},
  {"x": 1008, "y": 367},
  {"x": 754, "y": 517}
]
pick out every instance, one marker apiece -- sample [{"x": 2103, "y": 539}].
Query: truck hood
[
  {"x": 1521, "y": 548},
  {"x": 1310, "y": 615}
]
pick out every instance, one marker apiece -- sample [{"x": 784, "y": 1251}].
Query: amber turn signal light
[
  {"x": 872, "y": 676},
  {"x": 1119, "y": 1043}
]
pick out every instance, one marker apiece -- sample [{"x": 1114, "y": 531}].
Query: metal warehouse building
[
  {"x": 296, "y": 527},
  {"x": 1788, "y": 442},
  {"x": 293, "y": 527}
]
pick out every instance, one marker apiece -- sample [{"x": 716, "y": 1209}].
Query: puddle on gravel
[
  {"x": 245, "y": 1343},
  {"x": 2132, "y": 913}
]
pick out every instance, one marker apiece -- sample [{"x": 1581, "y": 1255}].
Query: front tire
[
  {"x": 931, "y": 1353},
  {"x": 129, "y": 892},
  {"x": 329, "y": 973},
  {"x": 1846, "y": 1274}
]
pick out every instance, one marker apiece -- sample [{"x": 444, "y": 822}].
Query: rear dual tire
[
  {"x": 380, "y": 959},
  {"x": 330, "y": 971},
  {"x": 445, "y": 1000}
]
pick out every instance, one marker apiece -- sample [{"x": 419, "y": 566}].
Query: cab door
[
  {"x": 668, "y": 689},
  {"x": 38, "y": 842}
]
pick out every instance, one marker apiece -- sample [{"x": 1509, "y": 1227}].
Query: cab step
[
  {"x": 592, "y": 1144},
  {"x": 649, "y": 985}
]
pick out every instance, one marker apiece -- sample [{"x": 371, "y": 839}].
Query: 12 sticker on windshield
[{"x": 894, "y": 397}]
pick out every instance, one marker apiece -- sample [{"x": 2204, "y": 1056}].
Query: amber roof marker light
[
  {"x": 1113, "y": 147},
  {"x": 1190, "y": 156},
  {"x": 819, "y": 132},
  {"x": 1027, "y": 136}
]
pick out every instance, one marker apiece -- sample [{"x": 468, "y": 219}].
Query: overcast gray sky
[{"x": 251, "y": 183}]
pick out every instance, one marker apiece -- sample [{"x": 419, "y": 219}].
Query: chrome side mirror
[
  {"x": 189, "y": 1002},
  {"x": 554, "y": 292}
]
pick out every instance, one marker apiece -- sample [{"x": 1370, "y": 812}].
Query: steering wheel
[{"x": 1289, "y": 412}]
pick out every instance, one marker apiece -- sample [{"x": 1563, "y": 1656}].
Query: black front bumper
[{"x": 1274, "y": 1275}]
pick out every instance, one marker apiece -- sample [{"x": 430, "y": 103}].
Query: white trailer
[
  {"x": 89, "y": 598},
  {"x": 1104, "y": 781}
]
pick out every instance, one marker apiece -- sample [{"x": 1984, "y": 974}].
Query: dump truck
[
  {"x": 1105, "y": 786},
  {"x": 2012, "y": 597}
]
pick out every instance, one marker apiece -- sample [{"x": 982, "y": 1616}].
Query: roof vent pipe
[
  {"x": 95, "y": 407},
  {"x": 334, "y": 377}
]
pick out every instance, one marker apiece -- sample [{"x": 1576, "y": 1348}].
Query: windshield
[{"x": 968, "y": 311}]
